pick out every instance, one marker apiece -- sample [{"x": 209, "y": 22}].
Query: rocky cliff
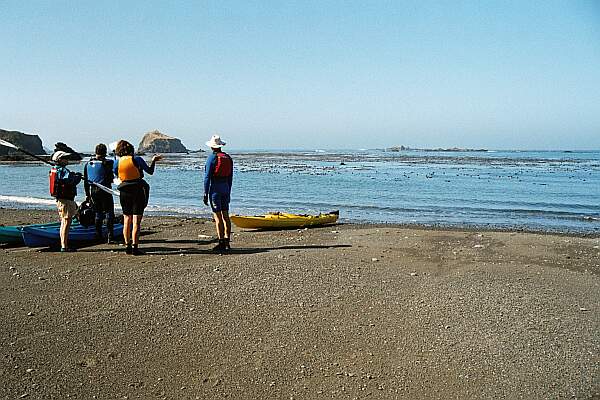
[
  {"x": 156, "y": 142},
  {"x": 31, "y": 143}
]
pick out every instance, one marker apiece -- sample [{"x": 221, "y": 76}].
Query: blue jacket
[{"x": 212, "y": 184}]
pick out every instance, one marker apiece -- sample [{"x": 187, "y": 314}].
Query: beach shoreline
[
  {"x": 595, "y": 233},
  {"x": 346, "y": 311}
]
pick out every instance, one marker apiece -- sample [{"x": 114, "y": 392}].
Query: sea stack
[
  {"x": 30, "y": 143},
  {"x": 157, "y": 142},
  {"x": 73, "y": 155}
]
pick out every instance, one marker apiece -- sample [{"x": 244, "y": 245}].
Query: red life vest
[
  {"x": 59, "y": 188},
  {"x": 224, "y": 167},
  {"x": 53, "y": 182}
]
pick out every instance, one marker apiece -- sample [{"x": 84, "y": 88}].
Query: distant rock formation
[
  {"x": 452, "y": 149},
  {"x": 156, "y": 142},
  {"x": 398, "y": 148},
  {"x": 30, "y": 143},
  {"x": 75, "y": 156}
]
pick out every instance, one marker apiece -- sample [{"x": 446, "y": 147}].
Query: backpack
[
  {"x": 58, "y": 187},
  {"x": 53, "y": 182},
  {"x": 86, "y": 213},
  {"x": 224, "y": 167}
]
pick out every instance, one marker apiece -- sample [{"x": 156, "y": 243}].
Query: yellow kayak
[{"x": 279, "y": 220}]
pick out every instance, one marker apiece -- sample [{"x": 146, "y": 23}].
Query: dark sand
[{"x": 344, "y": 312}]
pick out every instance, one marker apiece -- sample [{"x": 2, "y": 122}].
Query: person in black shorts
[{"x": 135, "y": 191}]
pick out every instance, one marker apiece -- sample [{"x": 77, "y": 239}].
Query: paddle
[{"x": 12, "y": 146}]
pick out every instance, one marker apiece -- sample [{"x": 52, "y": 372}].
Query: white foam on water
[
  {"x": 181, "y": 210},
  {"x": 26, "y": 200}
]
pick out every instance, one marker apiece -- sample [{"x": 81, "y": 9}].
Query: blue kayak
[
  {"x": 50, "y": 236},
  {"x": 12, "y": 234}
]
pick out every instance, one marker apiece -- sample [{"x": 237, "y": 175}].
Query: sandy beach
[{"x": 343, "y": 312}]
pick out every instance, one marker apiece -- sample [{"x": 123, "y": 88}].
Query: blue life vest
[{"x": 100, "y": 171}]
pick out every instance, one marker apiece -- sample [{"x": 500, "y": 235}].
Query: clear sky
[{"x": 304, "y": 74}]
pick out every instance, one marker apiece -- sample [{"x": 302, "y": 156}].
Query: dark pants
[{"x": 105, "y": 208}]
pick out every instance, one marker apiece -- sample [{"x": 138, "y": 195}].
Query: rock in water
[
  {"x": 156, "y": 142},
  {"x": 30, "y": 143},
  {"x": 75, "y": 156}
]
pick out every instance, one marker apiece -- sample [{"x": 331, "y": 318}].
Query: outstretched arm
[{"x": 148, "y": 168}]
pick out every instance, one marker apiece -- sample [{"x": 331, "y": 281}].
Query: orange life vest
[{"x": 128, "y": 171}]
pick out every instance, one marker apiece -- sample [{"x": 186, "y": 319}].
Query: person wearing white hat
[
  {"x": 218, "y": 179},
  {"x": 63, "y": 186}
]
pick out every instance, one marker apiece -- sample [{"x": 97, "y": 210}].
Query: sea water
[{"x": 546, "y": 191}]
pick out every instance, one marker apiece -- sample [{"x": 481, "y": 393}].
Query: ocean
[{"x": 553, "y": 191}]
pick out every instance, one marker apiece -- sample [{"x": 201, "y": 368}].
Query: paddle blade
[{"x": 8, "y": 144}]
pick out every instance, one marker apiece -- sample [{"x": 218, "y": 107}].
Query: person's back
[
  {"x": 63, "y": 186},
  {"x": 134, "y": 190},
  {"x": 100, "y": 170},
  {"x": 218, "y": 176},
  {"x": 66, "y": 182},
  {"x": 128, "y": 168},
  {"x": 218, "y": 180}
]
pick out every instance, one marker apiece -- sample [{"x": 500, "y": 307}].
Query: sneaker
[
  {"x": 128, "y": 249},
  {"x": 68, "y": 249}
]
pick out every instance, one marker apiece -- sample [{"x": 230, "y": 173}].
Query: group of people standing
[{"x": 100, "y": 172}]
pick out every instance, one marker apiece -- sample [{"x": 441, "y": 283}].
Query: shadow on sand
[{"x": 165, "y": 250}]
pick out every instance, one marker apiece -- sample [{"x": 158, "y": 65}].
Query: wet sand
[{"x": 343, "y": 312}]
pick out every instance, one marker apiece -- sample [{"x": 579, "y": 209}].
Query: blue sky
[{"x": 304, "y": 74}]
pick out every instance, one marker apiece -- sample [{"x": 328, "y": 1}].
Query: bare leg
[
  {"x": 219, "y": 225},
  {"x": 227, "y": 222},
  {"x": 127, "y": 219},
  {"x": 65, "y": 225},
  {"x": 137, "y": 223}
]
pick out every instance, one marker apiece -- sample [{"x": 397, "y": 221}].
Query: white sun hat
[
  {"x": 60, "y": 154},
  {"x": 215, "y": 142}
]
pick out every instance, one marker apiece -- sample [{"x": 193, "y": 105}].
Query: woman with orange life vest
[
  {"x": 135, "y": 191},
  {"x": 218, "y": 178}
]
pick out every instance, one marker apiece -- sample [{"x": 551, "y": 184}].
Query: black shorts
[
  {"x": 134, "y": 197},
  {"x": 103, "y": 202}
]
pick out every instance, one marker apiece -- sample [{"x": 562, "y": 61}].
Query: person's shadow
[{"x": 171, "y": 250}]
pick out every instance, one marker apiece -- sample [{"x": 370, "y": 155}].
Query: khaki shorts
[{"x": 67, "y": 209}]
